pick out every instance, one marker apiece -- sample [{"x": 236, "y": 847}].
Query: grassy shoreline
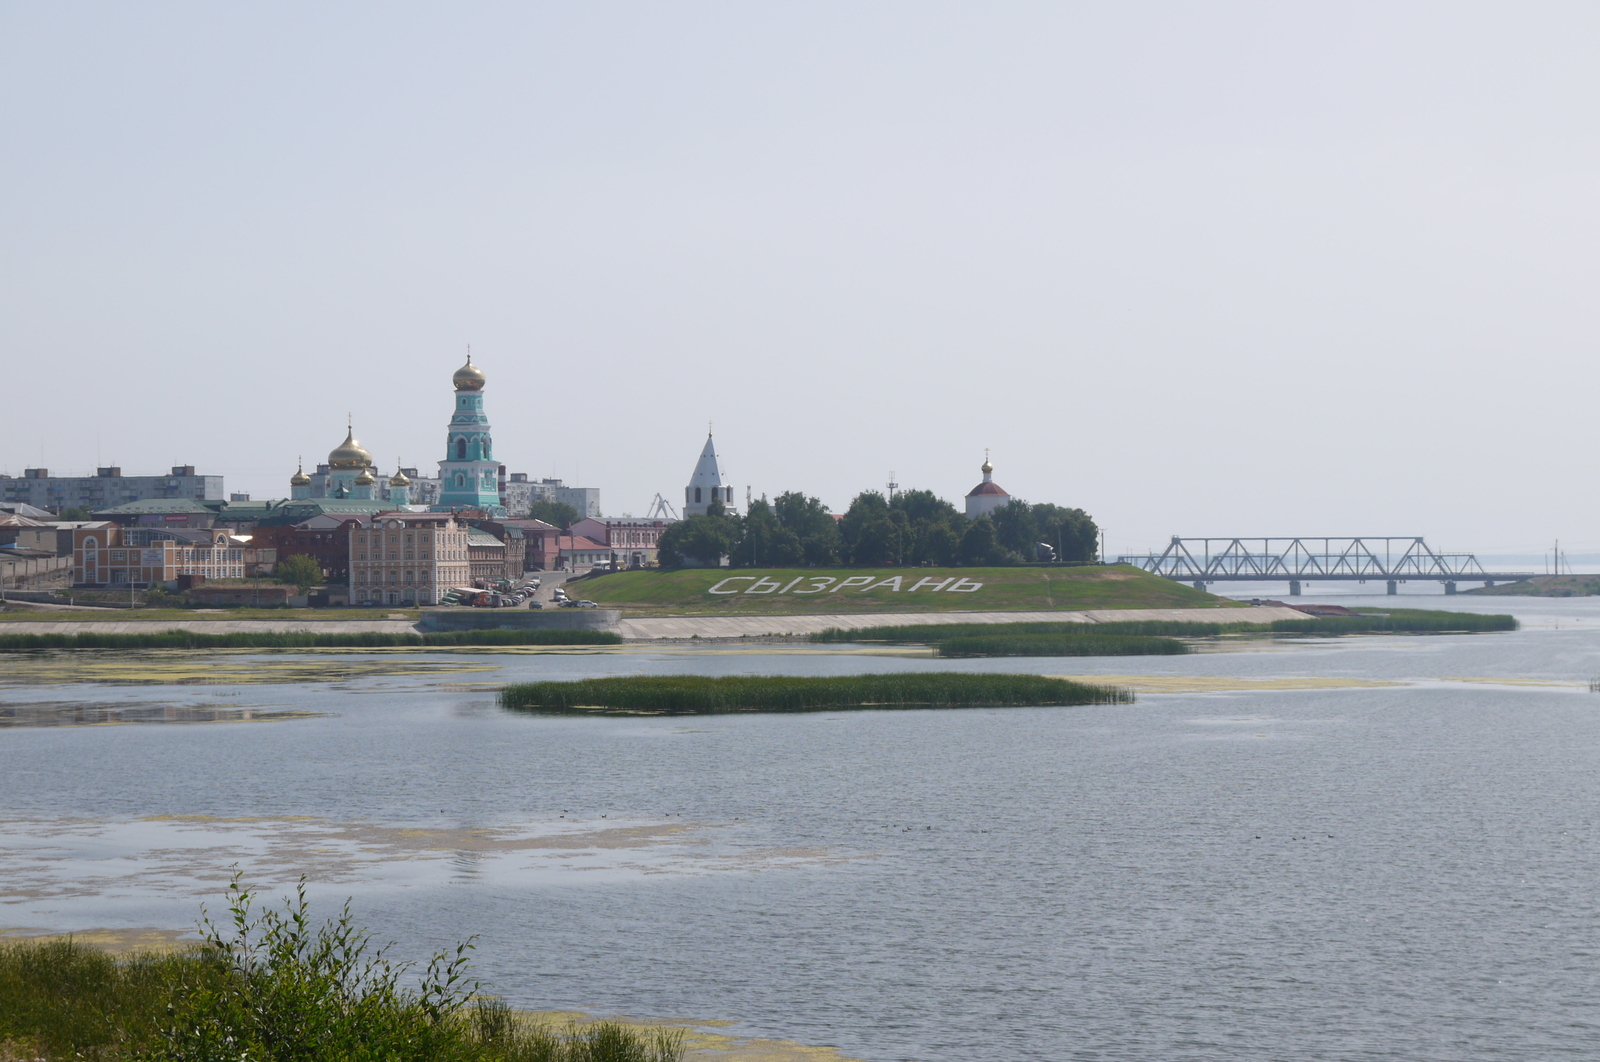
[{"x": 189, "y": 639}]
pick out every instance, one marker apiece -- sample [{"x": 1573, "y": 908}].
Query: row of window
[{"x": 395, "y": 576}]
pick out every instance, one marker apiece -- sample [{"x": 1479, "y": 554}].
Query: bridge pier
[
  {"x": 1199, "y": 584},
  {"x": 1449, "y": 587},
  {"x": 1294, "y": 587},
  {"x": 1488, "y": 583},
  {"x": 1394, "y": 587}
]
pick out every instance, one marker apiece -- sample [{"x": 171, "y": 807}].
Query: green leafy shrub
[{"x": 271, "y": 987}]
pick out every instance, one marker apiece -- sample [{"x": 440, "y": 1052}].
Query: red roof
[
  {"x": 990, "y": 487},
  {"x": 579, "y": 542}
]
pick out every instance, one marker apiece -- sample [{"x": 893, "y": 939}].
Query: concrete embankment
[
  {"x": 673, "y": 627},
  {"x": 658, "y": 628}
]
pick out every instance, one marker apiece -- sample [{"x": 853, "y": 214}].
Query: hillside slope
[{"x": 725, "y": 591}]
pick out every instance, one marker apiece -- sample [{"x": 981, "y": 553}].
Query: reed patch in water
[
  {"x": 696, "y": 695},
  {"x": 1060, "y": 645}
]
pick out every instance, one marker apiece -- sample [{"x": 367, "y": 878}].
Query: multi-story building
[
  {"x": 632, "y": 541},
  {"x": 325, "y": 538},
  {"x": 407, "y": 558},
  {"x": 148, "y": 556},
  {"x": 520, "y": 493},
  {"x": 487, "y": 557},
  {"x": 108, "y": 487}
]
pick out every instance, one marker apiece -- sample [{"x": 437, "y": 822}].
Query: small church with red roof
[{"x": 987, "y": 496}]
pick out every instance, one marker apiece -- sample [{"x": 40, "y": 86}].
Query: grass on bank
[
  {"x": 274, "y": 988},
  {"x": 696, "y": 695},
  {"x": 188, "y": 639},
  {"x": 1420, "y": 621},
  {"x": 20, "y": 612},
  {"x": 938, "y": 632},
  {"x": 1060, "y": 645},
  {"x": 687, "y": 591}
]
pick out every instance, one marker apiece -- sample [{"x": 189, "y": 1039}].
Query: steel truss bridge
[{"x": 1302, "y": 560}]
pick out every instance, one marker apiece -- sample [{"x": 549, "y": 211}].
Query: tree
[
  {"x": 1072, "y": 532},
  {"x": 299, "y": 569},
  {"x": 869, "y": 531},
  {"x": 763, "y": 542},
  {"x": 933, "y": 528},
  {"x": 1023, "y": 528},
  {"x": 980, "y": 547},
  {"x": 812, "y": 525},
  {"x": 702, "y": 539},
  {"x": 76, "y": 512},
  {"x": 560, "y": 514}
]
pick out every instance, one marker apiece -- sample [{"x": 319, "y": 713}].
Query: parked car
[
  {"x": 536, "y": 603},
  {"x": 585, "y": 604}
]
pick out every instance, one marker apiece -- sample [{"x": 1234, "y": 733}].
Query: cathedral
[{"x": 469, "y": 475}]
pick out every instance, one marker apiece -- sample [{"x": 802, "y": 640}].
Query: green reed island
[{"x": 696, "y": 695}]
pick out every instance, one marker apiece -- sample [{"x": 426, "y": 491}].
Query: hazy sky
[{"x": 1197, "y": 268}]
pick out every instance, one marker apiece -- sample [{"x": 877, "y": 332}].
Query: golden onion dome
[
  {"x": 300, "y": 479},
  {"x": 399, "y": 479},
  {"x": 365, "y": 479},
  {"x": 349, "y": 454},
  {"x": 469, "y": 377},
  {"x": 986, "y": 467}
]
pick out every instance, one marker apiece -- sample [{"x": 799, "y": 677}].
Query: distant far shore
[{"x": 1544, "y": 586}]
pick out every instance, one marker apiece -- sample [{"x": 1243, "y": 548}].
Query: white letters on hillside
[{"x": 831, "y": 584}]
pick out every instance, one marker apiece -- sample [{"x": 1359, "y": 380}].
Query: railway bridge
[{"x": 1391, "y": 560}]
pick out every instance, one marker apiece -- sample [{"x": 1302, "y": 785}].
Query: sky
[{"x": 1198, "y": 269}]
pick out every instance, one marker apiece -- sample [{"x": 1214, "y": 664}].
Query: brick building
[
  {"x": 141, "y": 556},
  {"x": 407, "y": 558},
  {"x": 633, "y": 541}
]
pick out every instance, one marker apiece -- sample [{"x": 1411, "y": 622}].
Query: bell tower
[{"x": 469, "y": 475}]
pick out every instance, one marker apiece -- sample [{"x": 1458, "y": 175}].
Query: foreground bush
[
  {"x": 182, "y": 639},
  {"x": 271, "y": 988},
  {"x": 1060, "y": 645},
  {"x": 693, "y": 694}
]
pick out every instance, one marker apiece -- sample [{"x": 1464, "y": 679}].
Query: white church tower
[{"x": 706, "y": 485}]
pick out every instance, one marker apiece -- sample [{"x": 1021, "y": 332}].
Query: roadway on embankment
[{"x": 667, "y": 628}]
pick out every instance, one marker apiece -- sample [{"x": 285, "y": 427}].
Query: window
[
  {"x": 461, "y": 450},
  {"x": 697, "y": 495}
]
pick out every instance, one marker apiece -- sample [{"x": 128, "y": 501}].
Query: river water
[{"x": 1360, "y": 848}]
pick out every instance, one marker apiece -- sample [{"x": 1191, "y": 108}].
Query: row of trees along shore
[{"x": 915, "y": 527}]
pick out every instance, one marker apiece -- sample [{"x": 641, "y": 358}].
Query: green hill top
[{"x": 816, "y": 591}]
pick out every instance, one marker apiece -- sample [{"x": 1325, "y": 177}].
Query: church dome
[
  {"x": 300, "y": 479},
  {"x": 349, "y": 454},
  {"x": 365, "y": 479},
  {"x": 469, "y": 377},
  {"x": 399, "y": 479}
]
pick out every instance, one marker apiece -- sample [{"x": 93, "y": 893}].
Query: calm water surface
[{"x": 1406, "y": 871}]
